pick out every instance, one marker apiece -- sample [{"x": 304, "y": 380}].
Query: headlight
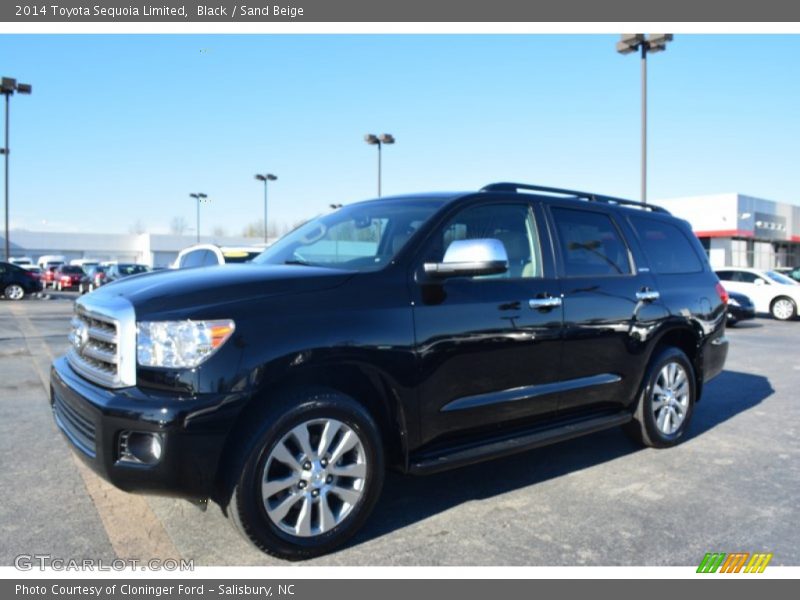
[
  {"x": 732, "y": 301},
  {"x": 179, "y": 344}
]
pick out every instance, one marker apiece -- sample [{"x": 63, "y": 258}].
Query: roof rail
[{"x": 513, "y": 187}]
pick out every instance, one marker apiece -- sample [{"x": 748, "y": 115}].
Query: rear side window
[
  {"x": 590, "y": 244},
  {"x": 667, "y": 248},
  {"x": 725, "y": 275}
]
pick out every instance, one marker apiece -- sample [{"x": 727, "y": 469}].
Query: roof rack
[{"x": 513, "y": 187}]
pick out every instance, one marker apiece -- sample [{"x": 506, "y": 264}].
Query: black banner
[
  {"x": 466, "y": 11},
  {"x": 397, "y": 589}
]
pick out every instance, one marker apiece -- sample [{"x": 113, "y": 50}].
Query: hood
[{"x": 186, "y": 291}]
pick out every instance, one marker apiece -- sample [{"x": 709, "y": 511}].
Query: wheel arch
[
  {"x": 689, "y": 342},
  {"x": 367, "y": 386}
]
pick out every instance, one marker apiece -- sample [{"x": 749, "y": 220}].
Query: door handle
[
  {"x": 549, "y": 302},
  {"x": 647, "y": 295}
]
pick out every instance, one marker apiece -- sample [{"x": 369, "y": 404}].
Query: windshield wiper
[{"x": 296, "y": 261}]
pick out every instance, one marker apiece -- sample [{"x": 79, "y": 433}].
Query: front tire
[
  {"x": 311, "y": 474},
  {"x": 667, "y": 400},
  {"x": 14, "y": 291},
  {"x": 783, "y": 308}
]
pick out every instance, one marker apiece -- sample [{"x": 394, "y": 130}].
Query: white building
[
  {"x": 742, "y": 231},
  {"x": 155, "y": 250}
]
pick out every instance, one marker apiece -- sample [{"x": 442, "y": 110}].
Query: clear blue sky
[{"x": 121, "y": 128}]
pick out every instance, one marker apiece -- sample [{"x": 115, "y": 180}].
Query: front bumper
[
  {"x": 741, "y": 313},
  {"x": 193, "y": 431}
]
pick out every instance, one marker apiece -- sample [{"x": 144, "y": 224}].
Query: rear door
[
  {"x": 606, "y": 309},
  {"x": 489, "y": 356}
]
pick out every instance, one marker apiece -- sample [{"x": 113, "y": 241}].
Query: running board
[{"x": 467, "y": 455}]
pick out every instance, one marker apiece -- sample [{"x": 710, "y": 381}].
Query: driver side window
[{"x": 511, "y": 224}]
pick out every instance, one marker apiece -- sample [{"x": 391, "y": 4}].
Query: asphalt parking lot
[{"x": 733, "y": 486}]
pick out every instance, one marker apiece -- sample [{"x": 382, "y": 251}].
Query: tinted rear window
[
  {"x": 590, "y": 244},
  {"x": 667, "y": 248}
]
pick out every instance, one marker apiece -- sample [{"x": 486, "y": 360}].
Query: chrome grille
[
  {"x": 103, "y": 342},
  {"x": 79, "y": 429}
]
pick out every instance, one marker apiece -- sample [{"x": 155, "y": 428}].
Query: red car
[
  {"x": 48, "y": 276},
  {"x": 68, "y": 277}
]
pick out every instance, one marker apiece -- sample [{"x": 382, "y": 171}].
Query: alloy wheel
[
  {"x": 670, "y": 398},
  {"x": 783, "y": 309},
  {"x": 314, "y": 477},
  {"x": 14, "y": 292}
]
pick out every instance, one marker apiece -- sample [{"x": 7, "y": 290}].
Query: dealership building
[
  {"x": 742, "y": 231},
  {"x": 155, "y": 250}
]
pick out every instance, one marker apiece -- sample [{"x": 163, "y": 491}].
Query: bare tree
[
  {"x": 137, "y": 228},
  {"x": 254, "y": 229},
  {"x": 178, "y": 226}
]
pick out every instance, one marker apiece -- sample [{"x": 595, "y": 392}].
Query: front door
[{"x": 488, "y": 349}]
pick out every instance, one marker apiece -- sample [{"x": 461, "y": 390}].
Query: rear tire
[
  {"x": 666, "y": 402},
  {"x": 293, "y": 497},
  {"x": 783, "y": 308}
]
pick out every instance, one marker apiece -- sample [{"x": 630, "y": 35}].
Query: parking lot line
[{"x": 132, "y": 528}]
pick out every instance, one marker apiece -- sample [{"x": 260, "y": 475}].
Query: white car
[
  {"x": 206, "y": 255},
  {"x": 771, "y": 292},
  {"x": 22, "y": 261}
]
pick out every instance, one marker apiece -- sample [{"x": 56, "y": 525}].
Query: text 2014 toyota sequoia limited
[{"x": 418, "y": 332}]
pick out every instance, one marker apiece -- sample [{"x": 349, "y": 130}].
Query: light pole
[
  {"x": 374, "y": 140},
  {"x": 655, "y": 42},
  {"x": 199, "y": 197},
  {"x": 266, "y": 178},
  {"x": 7, "y": 87}
]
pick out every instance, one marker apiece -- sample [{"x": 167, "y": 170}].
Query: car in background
[
  {"x": 16, "y": 282},
  {"x": 740, "y": 308},
  {"x": 770, "y": 291},
  {"x": 84, "y": 263},
  {"x": 34, "y": 270},
  {"x": 209, "y": 255},
  {"x": 122, "y": 270},
  {"x": 48, "y": 275},
  {"x": 93, "y": 278},
  {"x": 67, "y": 277},
  {"x": 26, "y": 262},
  {"x": 48, "y": 260}
]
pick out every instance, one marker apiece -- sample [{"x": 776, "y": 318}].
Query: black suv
[{"x": 418, "y": 332}]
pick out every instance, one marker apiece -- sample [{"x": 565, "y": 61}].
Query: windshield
[
  {"x": 363, "y": 237},
  {"x": 777, "y": 277}
]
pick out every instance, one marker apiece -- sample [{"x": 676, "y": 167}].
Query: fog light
[{"x": 140, "y": 447}]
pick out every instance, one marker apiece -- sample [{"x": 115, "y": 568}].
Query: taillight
[{"x": 723, "y": 293}]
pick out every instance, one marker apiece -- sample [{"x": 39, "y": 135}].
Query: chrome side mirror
[{"x": 468, "y": 258}]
